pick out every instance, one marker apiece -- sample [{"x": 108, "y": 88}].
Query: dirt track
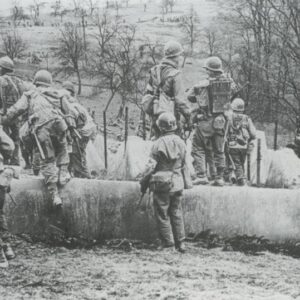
[{"x": 39, "y": 272}]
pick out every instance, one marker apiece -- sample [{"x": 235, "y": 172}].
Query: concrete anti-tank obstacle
[{"x": 107, "y": 209}]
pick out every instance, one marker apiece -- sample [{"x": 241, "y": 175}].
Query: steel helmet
[
  {"x": 166, "y": 122},
  {"x": 7, "y": 63},
  {"x": 69, "y": 86},
  {"x": 238, "y": 105},
  {"x": 42, "y": 77},
  {"x": 172, "y": 49},
  {"x": 214, "y": 64}
]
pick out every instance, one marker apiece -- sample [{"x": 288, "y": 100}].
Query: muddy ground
[{"x": 40, "y": 272}]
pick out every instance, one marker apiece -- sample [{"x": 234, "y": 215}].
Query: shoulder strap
[{"x": 13, "y": 84}]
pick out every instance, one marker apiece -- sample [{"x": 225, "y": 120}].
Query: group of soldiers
[
  {"x": 53, "y": 129},
  {"x": 222, "y": 135}
]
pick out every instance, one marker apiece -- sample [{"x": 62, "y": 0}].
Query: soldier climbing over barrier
[
  {"x": 11, "y": 90},
  {"x": 213, "y": 96},
  {"x": 165, "y": 178},
  {"x": 6, "y": 175},
  {"x": 47, "y": 128},
  {"x": 165, "y": 91},
  {"x": 86, "y": 129},
  {"x": 241, "y": 134}
]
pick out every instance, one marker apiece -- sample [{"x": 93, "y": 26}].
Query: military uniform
[
  {"x": 168, "y": 156},
  {"x": 87, "y": 130},
  {"x": 11, "y": 90},
  {"x": 241, "y": 132},
  {"x": 6, "y": 175},
  {"x": 165, "y": 85},
  {"x": 50, "y": 127},
  {"x": 208, "y": 138}
]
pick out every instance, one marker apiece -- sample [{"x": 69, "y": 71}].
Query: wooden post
[
  {"x": 248, "y": 167},
  {"x": 105, "y": 139},
  {"x": 126, "y": 126},
  {"x": 144, "y": 126},
  {"x": 258, "y": 161}
]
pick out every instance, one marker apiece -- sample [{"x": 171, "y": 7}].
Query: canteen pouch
[{"x": 161, "y": 182}]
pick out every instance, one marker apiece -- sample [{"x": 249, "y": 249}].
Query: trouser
[
  {"x": 239, "y": 157},
  {"x": 169, "y": 217},
  {"x": 4, "y": 235},
  {"x": 78, "y": 164},
  {"x": 208, "y": 149},
  {"x": 13, "y": 133},
  {"x": 6, "y": 145},
  {"x": 26, "y": 154},
  {"x": 52, "y": 138}
]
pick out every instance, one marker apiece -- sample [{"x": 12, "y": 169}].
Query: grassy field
[
  {"x": 41, "y": 272},
  {"x": 43, "y": 40}
]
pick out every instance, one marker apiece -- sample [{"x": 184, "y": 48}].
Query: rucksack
[
  {"x": 159, "y": 102},
  {"x": 219, "y": 93}
]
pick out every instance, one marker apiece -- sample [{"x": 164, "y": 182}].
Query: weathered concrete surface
[{"x": 106, "y": 209}]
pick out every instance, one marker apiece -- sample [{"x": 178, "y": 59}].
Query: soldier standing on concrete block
[
  {"x": 213, "y": 96},
  {"x": 165, "y": 92},
  {"x": 87, "y": 130},
  {"x": 165, "y": 179},
  {"x": 47, "y": 128},
  {"x": 11, "y": 90},
  {"x": 241, "y": 133},
  {"x": 6, "y": 175}
]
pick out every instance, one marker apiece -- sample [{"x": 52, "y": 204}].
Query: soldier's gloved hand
[{"x": 143, "y": 186}]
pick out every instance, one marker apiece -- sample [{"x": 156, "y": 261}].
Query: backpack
[
  {"x": 159, "y": 102},
  {"x": 219, "y": 93}
]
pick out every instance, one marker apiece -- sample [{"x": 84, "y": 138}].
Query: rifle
[
  {"x": 39, "y": 145},
  {"x": 237, "y": 92},
  {"x": 41, "y": 151}
]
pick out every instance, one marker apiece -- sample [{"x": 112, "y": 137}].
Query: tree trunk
[
  {"x": 79, "y": 81},
  {"x": 121, "y": 109}
]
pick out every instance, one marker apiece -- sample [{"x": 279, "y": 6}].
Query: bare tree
[
  {"x": 107, "y": 28},
  {"x": 212, "y": 41},
  {"x": 56, "y": 8},
  {"x": 12, "y": 44},
  {"x": 171, "y": 4},
  {"x": 77, "y": 7},
  {"x": 92, "y": 4},
  {"x": 17, "y": 13},
  {"x": 189, "y": 26},
  {"x": 71, "y": 50},
  {"x": 35, "y": 9},
  {"x": 117, "y": 63}
]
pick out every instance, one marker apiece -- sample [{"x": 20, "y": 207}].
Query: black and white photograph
[{"x": 150, "y": 149}]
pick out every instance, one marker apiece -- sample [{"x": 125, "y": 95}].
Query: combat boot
[
  {"x": 53, "y": 191},
  {"x": 219, "y": 182},
  {"x": 180, "y": 246},
  {"x": 241, "y": 182},
  {"x": 201, "y": 180},
  {"x": 8, "y": 251},
  {"x": 3, "y": 260},
  {"x": 64, "y": 175}
]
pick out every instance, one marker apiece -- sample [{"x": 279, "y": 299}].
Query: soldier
[
  {"x": 165, "y": 166},
  {"x": 213, "y": 95},
  {"x": 48, "y": 130},
  {"x": 11, "y": 89},
  {"x": 165, "y": 92},
  {"x": 6, "y": 175},
  {"x": 241, "y": 133},
  {"x": 87, "y": 130}
]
